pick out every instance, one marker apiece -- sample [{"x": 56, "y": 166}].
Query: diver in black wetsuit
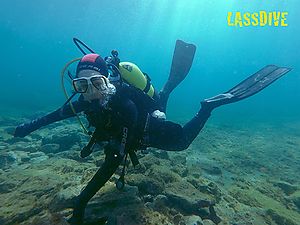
[{"x": 120, "y": 118}]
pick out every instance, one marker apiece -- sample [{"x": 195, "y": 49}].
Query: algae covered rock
[
  {"x": 280, "y": 219},
  {"x": 7, "y": 159},
  {"x": 38, "y": 157},
  {"x": 63, "y": 137},
  {"x": 178, "y": 159},
  {"x": 64, "y": 198},
  {"x": 150, "y": 186},
  {"x": 192, "y": 220},
  {"x": 286, "y": 187},
  {"x": 50, "y": 148},
  {"x": 296, "y": 199},
  {"x": 163, "y": 174},
  {"x": 13, "y": 158},
  {"x": 208, "y": 222},
  {"x": 26, "y": 146},
  {"x": 187, "y": 199},
  {"x": 160, "y": 154},
  {"x": 206, "y": 186},
  {"x": 7, "y": 186},
  {"x": 149, "y": 160},
  {"x": 159, "y": 202},
  {"x": 3, "y": 145}
]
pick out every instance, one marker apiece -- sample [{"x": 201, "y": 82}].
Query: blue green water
[{"x": 36, "y": 42}]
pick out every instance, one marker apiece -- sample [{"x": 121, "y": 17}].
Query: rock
[
  {"x": 3, "y": 146},
  {"x": 26, "y": 147},
  {"x": 160, "y": 154},
  {"x": 286, "y": 187},
  {"x": 13, "y": 158},
  {"x": 71, "y": 154},
  {"x": 180, "y": 170},
  {"x": 163, "y": 174},
  {"x": 15, "y": 140},
  {"x": 22, "y": 156},
  {"x": 192, "y": 220},
  {"x": 22, "y": 215},
  {"x": 213, "y": 170},
  {"x": 150, "y": 186},
  {"x": 160, "y": 202},
  {"x": 296, "y": 199},
  {"x": 186, "y": 199},
  {"x": 149, "y": 160},
  {"x": 36, "y": 154},
  {"x": 47, "y": 218},
  {"x": 64, "y": 199},
  {"x": 7, "y": 186},
  {"x": 50, "y": 148},
  {"x": 213, "y": 215},
  {"x": 65, "y": 139},
  {"x": 148, "y": 198},
  {"x": 186, "y": 205},
  {"x": 206, "y": 186},
  {"x": 7, "y": 159},
  {"x": 208, "y": 222},
  {"x": 279, "y": 219},
  {"x": 194, "y": 171},
  {"x": 178, "y": 160},
  {"x": 209, "y": 166},
  {"x": 114, "y": 203},
  {"x": 177, "y": 219},
  {"x": 38, "y": 157},
  {"x": 297, "y": 202}
]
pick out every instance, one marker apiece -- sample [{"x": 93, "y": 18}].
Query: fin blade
[
  {"x": 182, "y": 61},
  {"x": 261, "y": 74},
  {"x": 248, "y": 87},
  {"x": 264, "y": 82}
]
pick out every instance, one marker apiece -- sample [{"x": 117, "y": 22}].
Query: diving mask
[{"x": 82, "y": 84}]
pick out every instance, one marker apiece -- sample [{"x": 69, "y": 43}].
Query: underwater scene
[{"x": 151, "y": 112}]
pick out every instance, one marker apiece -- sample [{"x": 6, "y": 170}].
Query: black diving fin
[
  {"x": 181, "y": 63},
  {"x": 248, "y": 87}
]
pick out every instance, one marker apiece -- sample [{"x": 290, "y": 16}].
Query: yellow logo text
[{"x": 261, "y": 18}]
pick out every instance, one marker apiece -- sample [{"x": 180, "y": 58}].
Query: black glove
[
  {"x": 22, "y": 130},
  {"x": 26, "y": 128}
]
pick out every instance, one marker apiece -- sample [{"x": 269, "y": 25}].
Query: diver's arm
[{"x": 60, "y": 114}]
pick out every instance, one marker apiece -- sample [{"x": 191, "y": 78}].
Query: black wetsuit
[{"x": 123, "y": 123}]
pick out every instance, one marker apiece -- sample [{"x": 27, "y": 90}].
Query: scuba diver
[{"x": 129, "y": 115}]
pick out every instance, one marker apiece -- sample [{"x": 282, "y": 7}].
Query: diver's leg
[
  {"x": 170, "y": 136},
  {"x": 192, "y": 128},
  {"x": 108, "y": 168}
]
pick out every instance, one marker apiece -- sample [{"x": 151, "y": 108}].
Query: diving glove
[{"x": 26, "y": 128}]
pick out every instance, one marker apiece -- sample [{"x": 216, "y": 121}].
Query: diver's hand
[
  {"x": 26, "y": 128},
  {"x": 22, "y": 130},
  {"x": 158, "y": 115}
]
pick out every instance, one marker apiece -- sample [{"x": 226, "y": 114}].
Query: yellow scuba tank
[{"x": 135, "y": 77}]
